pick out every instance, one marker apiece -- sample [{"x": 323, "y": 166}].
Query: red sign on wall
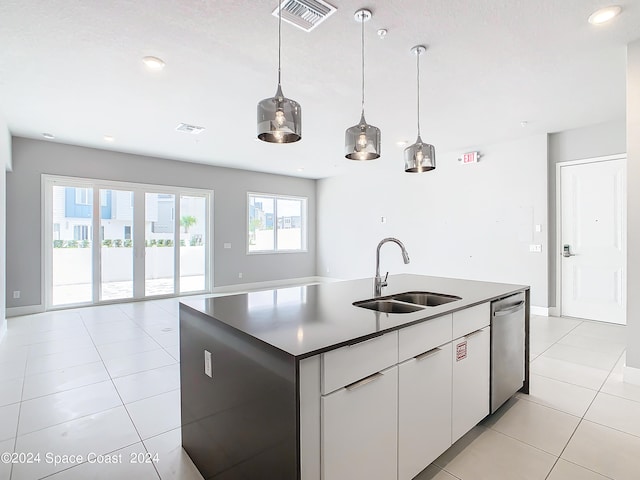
[
  {"x": 471, "y": 157},
  {"x": 461, "y": 351}
]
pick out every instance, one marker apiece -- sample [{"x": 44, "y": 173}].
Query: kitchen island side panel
[{"x": 241, "y": 423}]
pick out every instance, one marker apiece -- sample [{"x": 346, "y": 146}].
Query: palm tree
[{"x": 188, "y": 221}]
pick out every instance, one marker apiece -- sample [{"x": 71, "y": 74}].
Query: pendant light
[
  {"x": 419, "y": 157},
  {"x": 362, "y": 141},
  {"x": 279, "y": 118}
]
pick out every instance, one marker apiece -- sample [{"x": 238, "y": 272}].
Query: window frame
[{"x": 304, "y": 212}]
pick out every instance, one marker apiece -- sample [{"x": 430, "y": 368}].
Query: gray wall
[
  {"x": 633, "y": 205},
  {"x": 32, "y": 158},
  {"x": 467, "y": 221},
  {"x": 578, "y": 144},
  {"x": 5, "y": 163}
]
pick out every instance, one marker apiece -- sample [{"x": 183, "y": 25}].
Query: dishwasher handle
[{"x": 507, "y": 311}]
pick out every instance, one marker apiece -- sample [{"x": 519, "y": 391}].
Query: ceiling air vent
[
  {"x": 192, "y": 129},
  {"x": 305, "y": 14}
]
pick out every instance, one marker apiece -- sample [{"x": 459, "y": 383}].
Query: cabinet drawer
[
  {"x": 360, "y": 430},
  {"x": 470, "y": 397},
  {"x": 471, "y": 319},
  {"x": 348, "y": 364},
  {"x": 424, "y": 336}
]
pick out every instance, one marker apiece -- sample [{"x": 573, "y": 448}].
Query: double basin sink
[{"x": 407, "y": 302}]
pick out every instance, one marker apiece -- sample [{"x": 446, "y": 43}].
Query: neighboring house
[{"x": 73, "y": 210}]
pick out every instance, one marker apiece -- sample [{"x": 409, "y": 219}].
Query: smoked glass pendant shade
[
  {"x": 419, "y": 157},
  {"x": 362, "y": 141},
  {"x": 279, "y": 119}
]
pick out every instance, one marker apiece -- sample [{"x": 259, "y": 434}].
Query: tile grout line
[
  {"x": 15, "y": 440},
  {"x": 581, "y": 420},
  {"x": 125, "y": 405}
]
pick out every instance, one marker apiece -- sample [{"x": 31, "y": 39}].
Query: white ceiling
[{"x": 73, "y": 68}]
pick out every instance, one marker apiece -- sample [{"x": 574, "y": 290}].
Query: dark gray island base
[{"x": 249, "y": 409}]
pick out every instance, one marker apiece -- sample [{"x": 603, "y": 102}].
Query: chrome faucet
[{"x": 379, "y": 282}]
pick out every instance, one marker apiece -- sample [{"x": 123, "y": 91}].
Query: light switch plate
[
  {"x": 227, "y": 245},
  {"x": 535, "y": 248}
]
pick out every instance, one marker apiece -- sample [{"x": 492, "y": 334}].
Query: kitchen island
[{"x": 299, "y": 383}]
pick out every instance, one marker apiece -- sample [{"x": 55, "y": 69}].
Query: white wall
[
  {"x": 32, "y": 158},
  {"x": 5, "y": 163},
  {"x": 577, "y": 144},
  {"x": 468, "y": 221},
  {"x": 633, "y": 209}
]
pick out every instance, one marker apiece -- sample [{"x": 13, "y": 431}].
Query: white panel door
[{"x": 593, "y": 237}]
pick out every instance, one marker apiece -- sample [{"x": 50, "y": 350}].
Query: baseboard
[
  {"x": 554, "y": 311},
  {"x": 631, "y": 375},
  {"x": 289, "y": 282},
  {"x": 542, "y": 311},
  {"x": 26, "y": 310}
]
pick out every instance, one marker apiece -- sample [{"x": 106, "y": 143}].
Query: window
[
  {"x": 84, "y": 196},
  {"x": 276, "y": 223},
  {"x": 81, "y": 232}
]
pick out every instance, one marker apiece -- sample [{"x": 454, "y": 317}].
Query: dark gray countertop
[{"x": 310, "y": 319}]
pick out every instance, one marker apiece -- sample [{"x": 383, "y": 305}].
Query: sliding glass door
[
  {"x": 160, "y": 240},
  {"x": 116, "y": 244},
  {"x": 115, "y": 241},
  {"x": 71, "y": 231}
]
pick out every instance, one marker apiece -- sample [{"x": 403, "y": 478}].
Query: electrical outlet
[
  {"x": 208, "y": 365},
  {"x": 239, "y": 274},
  {"x": 535, "y": 248},
  {"x": 227, "y": 245},
  {"x": 16, "y": 294}
]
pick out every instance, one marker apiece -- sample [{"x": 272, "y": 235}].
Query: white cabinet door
[
  {"x": 360, "y": 429},
  {"x": 424, "y": 415},
  {"x": 470, "y": 402}
]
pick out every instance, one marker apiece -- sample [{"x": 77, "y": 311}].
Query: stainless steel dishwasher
[{"x": 507, "y": 348}]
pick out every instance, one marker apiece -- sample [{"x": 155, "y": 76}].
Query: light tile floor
[{"x": 105, "y": 381}]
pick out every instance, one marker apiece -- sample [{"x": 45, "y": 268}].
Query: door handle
[
  {"x": 566, "y": 251},
  {"x": 364, "y": 381},
  {"x": 507, "y": 311}
]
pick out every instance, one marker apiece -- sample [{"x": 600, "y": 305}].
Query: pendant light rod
[
  {"x": 279, "y": 37},
  {"x": 417, "y": 51},
  {"x": 362, "y": 15},
  {"x": 362, "y": 49}
]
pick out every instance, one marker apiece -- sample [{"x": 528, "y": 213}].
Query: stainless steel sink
[
  {"x": 387, "y": 306},
  {"x": 406, "y": 302},
  {"x": 426, "y": 299}
]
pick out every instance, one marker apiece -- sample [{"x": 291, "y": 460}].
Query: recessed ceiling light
[
  {"x": 524, "y": 123},
  {"x": 382, "y": 33},
  {"x": 153, "y": 63},
  {"x": 604, "y": 14},
  {"x": 108, "y": 138},
  {"x": 301, "y": 169},
  {"x": 48, "y": 136},
  {"x": 402, "y": 143}
]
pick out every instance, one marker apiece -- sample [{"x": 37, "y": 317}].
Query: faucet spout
[{"x": 378, "y": 281}]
